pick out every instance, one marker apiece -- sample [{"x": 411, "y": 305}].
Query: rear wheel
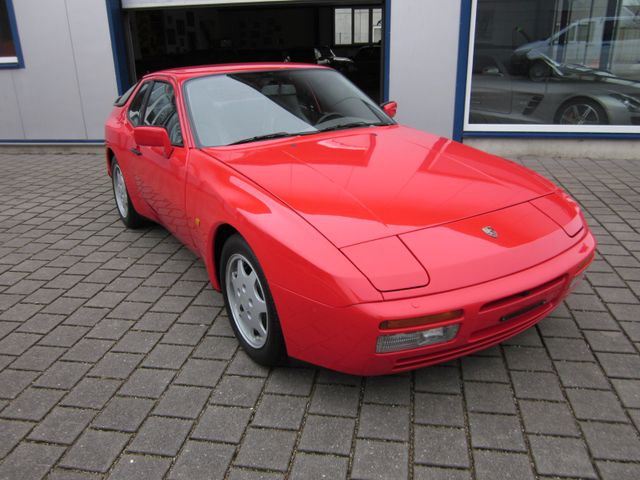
[
  {"x": 249, "y": 303},
  {"x": 126, "y": 211}
]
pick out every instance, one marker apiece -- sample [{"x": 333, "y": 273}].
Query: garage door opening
[{"x": 347, "y": 37}]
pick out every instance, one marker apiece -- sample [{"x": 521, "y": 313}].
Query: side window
[
  {"x": 161, "y": 111},
  {"x": 135, "y": 109}
]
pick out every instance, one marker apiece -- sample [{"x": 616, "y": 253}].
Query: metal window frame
[{"x": 13, "y": 27}]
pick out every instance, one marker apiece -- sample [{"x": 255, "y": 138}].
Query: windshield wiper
[
  {"x": 269, "y": 136},
  {"x": 344, "y": 126}
]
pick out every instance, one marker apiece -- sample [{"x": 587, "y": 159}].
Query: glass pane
[
  {"x": 556, "y": 63},
  {"x": 361, "y": 25},
  {"x": 7, "y": 48},
  {"x": 136, "y": 105},
  {"x": 343, "y": 26},
  {"x": 161, "y": 111},
  {"x": 376, "y": 22}
]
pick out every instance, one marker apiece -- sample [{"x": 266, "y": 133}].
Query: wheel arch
[
  {"x": 110, "y": 155},
  {"x": 220, "y": 236}
]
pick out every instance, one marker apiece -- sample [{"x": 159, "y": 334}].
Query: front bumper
[{"x": 344, "y": 339}]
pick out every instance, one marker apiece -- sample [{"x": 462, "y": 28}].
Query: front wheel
[
  {"x": 581, "y": 111},
  {"x": 249, "y": 303},
  {"x": 127, "y": 213}
]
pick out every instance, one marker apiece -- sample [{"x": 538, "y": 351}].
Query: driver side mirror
[
  {"x": 390, "y": 108},
  {"x": 153, "y": 137}
]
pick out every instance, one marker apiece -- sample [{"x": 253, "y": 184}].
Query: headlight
[
  {"x": 631, "y": 103},
  {"x": 409, "y": 341}
]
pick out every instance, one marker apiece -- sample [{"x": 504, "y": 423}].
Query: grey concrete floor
[{"x": 116, "y": 359}]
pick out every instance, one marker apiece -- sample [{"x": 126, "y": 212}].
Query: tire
[
  {"x": 126, "y": 211},
  {"x": 249, "y": 303},
  {"x": 539, "y": 71},
  {"x": 581, "y": 111}
]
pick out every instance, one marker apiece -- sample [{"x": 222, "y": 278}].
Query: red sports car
[{"x": 337, "y": 236}]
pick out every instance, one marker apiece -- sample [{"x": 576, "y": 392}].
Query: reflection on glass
[{"x": 556, "y": 62}]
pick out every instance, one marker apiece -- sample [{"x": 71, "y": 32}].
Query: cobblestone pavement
[{"x": 117, "y": 360}]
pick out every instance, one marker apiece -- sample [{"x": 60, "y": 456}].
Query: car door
[{"x": 161, "y": 178}]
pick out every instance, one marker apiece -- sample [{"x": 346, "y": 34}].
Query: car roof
[{"x": 184, "y": 73}]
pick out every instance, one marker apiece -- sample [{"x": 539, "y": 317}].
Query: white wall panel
[
  {"x": 94, "y": 62},
  {"x": 424, "y": 58},
  {"x": 10, "y": 122}
]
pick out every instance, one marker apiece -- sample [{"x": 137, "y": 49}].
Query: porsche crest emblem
[{"x": 490, "y": 231}]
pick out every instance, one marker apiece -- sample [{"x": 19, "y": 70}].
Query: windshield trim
[{"x": 194, "y": 131}]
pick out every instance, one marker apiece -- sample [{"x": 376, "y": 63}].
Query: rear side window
[
  {"x": 135, "y": 109},
  {"x": 122, "y": 99}
]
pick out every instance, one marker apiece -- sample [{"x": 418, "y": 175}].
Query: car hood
[{"x": 365, "y": 184}]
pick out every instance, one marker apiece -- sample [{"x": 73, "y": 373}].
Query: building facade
[{"x": 472, "y": 70}]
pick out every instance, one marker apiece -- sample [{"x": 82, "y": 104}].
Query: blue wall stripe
[
  {"x": 461, "y": 74},
  {"x": 13, "y": 26},
  {"x": 572, "y": 135},
  {"x": 118, "y": 45},
  {"x": 52, "y": 141},
  {"x": 387, "y": 51}
]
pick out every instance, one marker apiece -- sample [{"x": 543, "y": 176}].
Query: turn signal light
[
  {"x": 419, "y": 321},
  {"x": 585, "y": 263}
]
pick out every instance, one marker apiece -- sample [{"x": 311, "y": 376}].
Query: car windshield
[{"x": 251, "y": 106}]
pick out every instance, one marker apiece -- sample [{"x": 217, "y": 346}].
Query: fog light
[{"x": 423, "y": 338}]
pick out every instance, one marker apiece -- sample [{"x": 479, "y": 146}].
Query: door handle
[{"x": 136, "y": 151}]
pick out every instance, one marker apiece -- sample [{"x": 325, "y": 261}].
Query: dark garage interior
[{"x": 347, "y": 37}]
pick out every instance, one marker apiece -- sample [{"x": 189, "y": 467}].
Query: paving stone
[
  {"x": 11, "y": 432},
  {"x": 41, "y": 323},
  {"x": 438, "y": 379},
  {"x": 202, "y": 461},
  {"x": 243, "y": 365},
  {"x": 146, "y": 382},
  {"x": 237, "y": 391},
  {"x": 436, "y": 473},
  {"x": 62, "y": 375},
  {"x": 308, "y": 465},
  {"x": 32, "y": 404},
  {"x": 437, "y": 446},
  {"x": 559, "y": 327},
  {"x": 596, "y": 405},
  {"x": 137, "y": 342},
  {"x": 537, "y": 385},
  {"x": 565, "y": 457},
  {"x": 609, "y": 342},
  {"x": 30, "y": 461},
  {"x": 62, "y": 425},
  {"x": 222, "y": 424},
  {"x": 129, "y": 310},
  {"x": 596, "y": 321},
  {"x": 37, "y": 358},
  {"x": 167, "y": 356},
  {"x": 492, "y": 465},
  {"x": 620, "y": 365},
  {"x": 335, "y": 400},
  {"x": 499, "y": 432},
  {"x": 619, "y": 471},
  {"x": 436, "y": 409},
  {"x": 278, "y": 411},
  {"x": 265, "y": 448},
  {"x": 201, "y": 373},
  {"x": 489, "y": 398},
  {"x": 17, "y": 343},
  {"x": 628, "y": 391},
  {"x": 125, "y": 414},
  {"x": 185, "y": 334},
  {"x": 88, "y": 350},
  {"x": 106, "y": 300},
  {"x": 140, "y": 466},
  {"x": 581, "y": 375},
  {"x": 184, "y": 402},
  {"x": 110, "y": 329},
  {"x": 289, "y": 381},
  {"x": 384, "y": 422},
  {"x": 116, "y": 365},
  {"x": 391, "y": 390},
  {"x": 327, "y": 435},
  {"x": 161, "y": 436},
  {"x": 91, "y": 393},
  {"x": 95, "y": 451},
  {"x": 156, "y": 321},
  {"x": 87, "y": 317},
  {"x": 525, "y": 358},
  {"x": 373, "y": 459},
  {"x": 612, "y": 441},
  {"x": 488, "y": 369},
  {"x": 12, "y": 382},
  {"x": 548, "y": 418},
  {"x": 569, "y": 349}
]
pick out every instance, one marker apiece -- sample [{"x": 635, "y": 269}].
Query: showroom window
[
  {"x": 357, "y": 26},
  {"x": 554, "y": 66},
  {"x": 10, "y": 55}
]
